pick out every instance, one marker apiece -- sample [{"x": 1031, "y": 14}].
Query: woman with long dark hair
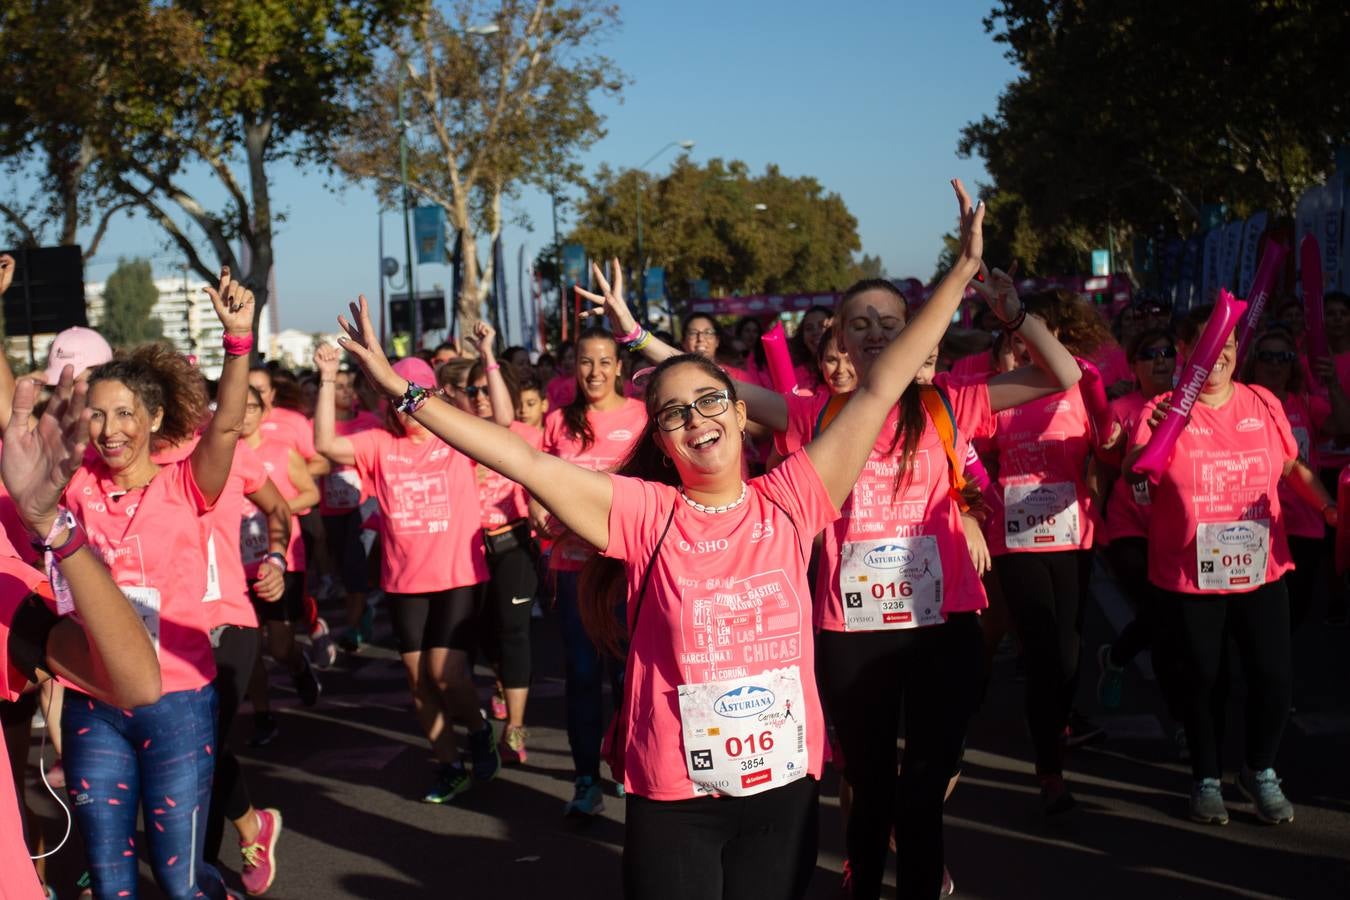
[{"x": 714, "y": 571}]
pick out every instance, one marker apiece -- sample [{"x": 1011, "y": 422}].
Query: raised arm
[
  {"x": 841, "y": 451},
  {"x": 1054, "y": 368},
  {"x": 6, "y": 373},
  {"x": 214, "y": 455},
  {"x": 503, "y": 410},
  {"x": 763, "y": 406},
  {"x": 308, "y": 495},
  {"x": 110, "y": 654},
  {"x": 326, "y": 439},
  {"x": 579, "y": 497}
]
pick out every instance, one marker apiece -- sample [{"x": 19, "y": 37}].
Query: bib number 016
[
  {"x": 891, "y": 590},
  {"x": 751, "y": 744}
]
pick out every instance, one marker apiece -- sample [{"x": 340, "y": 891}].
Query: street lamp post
[
  {"x": 407, "y": 229},
  {"x": 685, "y": 145}
]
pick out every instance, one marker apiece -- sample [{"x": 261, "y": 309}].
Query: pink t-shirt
[
  {"x": 975, "y": 364},
  {"x": 616, "y": 431},
  {"x": 1127, "y": 510},
  {"x": 728, "y": 598},
  {"x": 342, "y": 489},
  {"x": 1111, "y": 363},
  {"x": 429, "y": 522},
  {"x": 1306, "y": 417},
  {"x": 252, "y": 522},
  {"x": 1043, "y": 448},
  {"x": 1216, "y": 511},
  {"x": 18, "y": 878},
  {"x": 561, "y": 390},
  {"x": 154, "y": 541},
  {"x": 291, "y": 428},
  {"x": 502, "y": 499}
]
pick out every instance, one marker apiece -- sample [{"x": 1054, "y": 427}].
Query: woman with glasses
[
  {"x": 1218, "y": 553},
  {"x": 595, "y": 431},
  {"x": 1154, "y": 355},
  {"x": 1274, "y": 365},
  {"x": 721, "y": 735},
  {"x": 431, "y": 566}
]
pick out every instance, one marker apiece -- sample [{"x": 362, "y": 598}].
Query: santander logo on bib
[
  {"x": 1250, "y": 424},
  {"x": 888, "y": 556},
  {"x": 745, "y": 701}
]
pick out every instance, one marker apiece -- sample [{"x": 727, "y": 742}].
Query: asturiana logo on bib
[
  {"x": 1250, "y": 424},
  {"x": 743, "y": 702},
  {"x": 888, "y": 556},
  {"x": 1236, "y": 536},
  {"x": 1041, "y": 497}
]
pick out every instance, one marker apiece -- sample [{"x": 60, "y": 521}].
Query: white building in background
[{"x": 294, "y": 348}]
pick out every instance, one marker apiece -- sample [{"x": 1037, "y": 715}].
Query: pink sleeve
[
  {"x": 304, "y": 438},
  {"x": 250, "y": 468},
  {"x": 637, "y": 516},
  {"x": 17, "y": 581},
  {"x": 795, "y": 486},
  {"x": 801, "y": 422},
  {"x": 365, "y": 450},
  {"x": 185, "y": 481},
  {"x": 1284, "y": 432},
  {"x": 970, "y": 401}
]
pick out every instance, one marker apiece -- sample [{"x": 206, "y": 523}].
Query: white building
[{"x": 294, "y": 348}]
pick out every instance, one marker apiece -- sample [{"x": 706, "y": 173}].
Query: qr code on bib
[
  {"x": 700, "y": 760},
  {"x": 853, "y": 600},
  {"x": 1207, "y": 567}
]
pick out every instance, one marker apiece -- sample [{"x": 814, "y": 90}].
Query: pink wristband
[
  {"x": 492, "y": 368},
  {"x": 630, "y": 336},
  {"x": 238, "y": 345}
]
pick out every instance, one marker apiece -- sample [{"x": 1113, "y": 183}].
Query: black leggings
[
  {"x": 722, "y": 848},
  {"x": 1045, "y": 594},
  {"x": 1302, "y": 582},
  {"x": 235, "y": 654},
  {"x": 439, "y": 619},
  {"x": 868, "y": 680},
  {"x": 1148, "y": 630},
  {"x": 1258, "y": 622},
  {"x": 510, "y": 599}
]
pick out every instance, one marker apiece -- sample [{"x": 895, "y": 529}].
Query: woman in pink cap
[{"x": 432, "y": 564}]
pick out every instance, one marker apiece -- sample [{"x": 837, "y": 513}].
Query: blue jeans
[
  {"x": 585, "y": 666},
  {"x": 159, "y": 757}
]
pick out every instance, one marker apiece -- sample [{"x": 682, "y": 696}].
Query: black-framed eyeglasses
[
  {"x": 677, "y": 416},
  {"x": 1276, "y": 357},
  {"x": 696, "y": 333},
  {"x": 1152, "y": 353}
]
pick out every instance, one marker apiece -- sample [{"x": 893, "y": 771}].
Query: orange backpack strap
[
  {"x": 940, "y": 411},
  {"x": 831, "y": 409}
]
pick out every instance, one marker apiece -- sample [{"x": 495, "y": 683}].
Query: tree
[
  {"x": 743, "y": 233},
  {"x": 129, "y": 296},
  {"x": 497, "y": 96},
  {"x": 1130, "y": 115}
]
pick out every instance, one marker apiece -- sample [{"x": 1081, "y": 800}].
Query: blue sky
[{"x": 867, "y": 97}]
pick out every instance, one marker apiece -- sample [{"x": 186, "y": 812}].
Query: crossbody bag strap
[{"x": 647, "y": 576}]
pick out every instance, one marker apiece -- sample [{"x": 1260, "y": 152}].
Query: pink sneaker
[
  {"x": 260, "y": 867},
  {"x": 498, "y": 706},
  {"x": 512, "y": 748}
]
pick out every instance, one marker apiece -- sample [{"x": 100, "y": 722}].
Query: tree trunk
[{"x": 468, "y": 306}]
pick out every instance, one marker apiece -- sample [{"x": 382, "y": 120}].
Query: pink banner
[
  {"x": 1266, "y": 274},
  {"x": 779, "y": 359},
  {"x": 1310, "y": 264},
  {"x": 1158, "y": 453}
]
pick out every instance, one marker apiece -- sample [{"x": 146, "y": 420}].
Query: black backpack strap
[{"x": 647, "y": 575}]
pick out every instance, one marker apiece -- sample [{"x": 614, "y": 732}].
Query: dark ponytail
[
  {"x": 600, "y": 586},
  {"x": 575, "y": 422}
]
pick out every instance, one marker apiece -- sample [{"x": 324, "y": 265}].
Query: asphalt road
[{"x": 346, "y": 775}]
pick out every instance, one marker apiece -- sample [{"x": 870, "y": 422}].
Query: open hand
[
  {"x": 364, "y": 346},
  {"x": 233, "y": 303},
  {"x": 41, "y": 454},
  {"x": 609, "y": 302}
]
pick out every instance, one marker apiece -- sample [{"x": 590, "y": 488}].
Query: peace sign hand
[
  {"x": 233, "y": 303},
  {"x": 1000, "y": 291},
  {"x": 610, "y": 301},
  {"x": 364, "y": 346}
]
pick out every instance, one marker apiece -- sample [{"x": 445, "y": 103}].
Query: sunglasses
[
  {"x": 1153, "y": 353},
  {"x": 1276, "y": 357},
  {"x": 473, "y": 390},
  {"x": 677, "y": 416}
]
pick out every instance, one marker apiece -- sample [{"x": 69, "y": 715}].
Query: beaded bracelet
[
  {"x": 413, "y": 398},
  {"x": 643, "y": 340}
]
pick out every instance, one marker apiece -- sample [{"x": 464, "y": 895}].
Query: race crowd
[{"x": 770, "y": 580}]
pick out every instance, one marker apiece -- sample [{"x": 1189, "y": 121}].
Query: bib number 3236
[
  {"x": 891, "y": 584},
  {"x": 746, "y": 735}
]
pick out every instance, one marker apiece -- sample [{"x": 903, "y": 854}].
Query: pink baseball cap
[
  {"x": 82, "y": 348},
  {"x": 416, "y": 370}
]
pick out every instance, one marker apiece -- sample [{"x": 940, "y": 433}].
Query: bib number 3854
[{"x": 746, "y": 735}]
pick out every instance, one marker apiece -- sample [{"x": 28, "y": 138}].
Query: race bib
[
  {"x": 1232, "y": 555},
  {"x": 1041, "y": 516},
  {"x": 253, "y": 538},
  {"x": 212, "y": 572},
  {"x": 145, "y": 600},
  {"x": 747, "y": 735},
  {"x": 891, "y": 584},
  {"x": 342, "y": 489}
]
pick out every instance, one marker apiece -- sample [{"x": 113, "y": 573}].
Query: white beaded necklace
[{"x": 725, "y": 507}]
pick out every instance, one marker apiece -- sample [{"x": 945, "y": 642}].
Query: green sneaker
[
  {"x": 1263, "y": 789},
  {"x": 451, "y": 781},
  {"x": 1207, "y": 802}
]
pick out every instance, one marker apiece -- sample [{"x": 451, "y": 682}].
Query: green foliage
[
  {"x": 1133, "y": 113},
  {"x": 707, "y": 222},
  {"x": 129, "y": 296}
]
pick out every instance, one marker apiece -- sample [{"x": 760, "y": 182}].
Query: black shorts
[
  {"x": 443, "y": 619},
  {"x": 346, "y": 553},
  {"x": 291, "y": 606}
]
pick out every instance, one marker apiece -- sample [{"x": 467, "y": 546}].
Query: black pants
[
  {"x": 722, "y": 848},
  {"x": 1302, "y": 582},
  {"x": 235, "y": 655},
  {"x": 1258, "y": 623},
  {"x": 1148, "y": 630},
  {"x": 440, "y": 619},
  {"x": 1045, "y": 594},
  {"x": 868, "y": 680},
  {"x": 510, "y": 599}
]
